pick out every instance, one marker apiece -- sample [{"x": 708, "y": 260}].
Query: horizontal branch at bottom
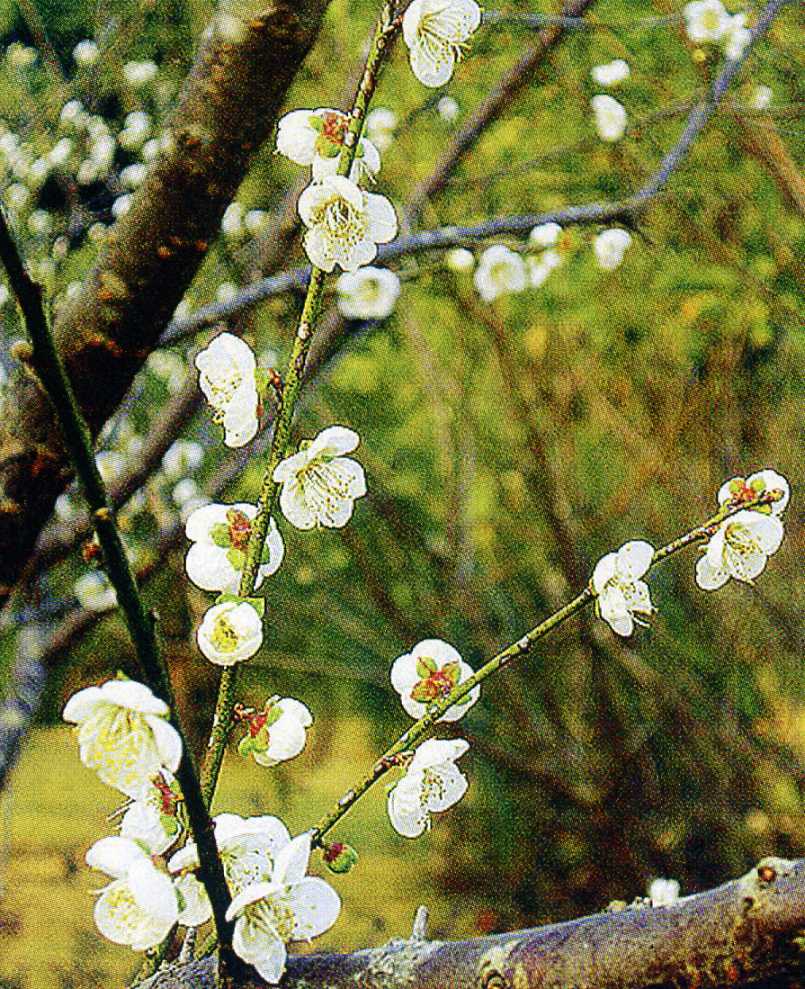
[{"x": 746, "y": 932}]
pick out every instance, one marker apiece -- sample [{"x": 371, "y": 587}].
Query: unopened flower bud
[{"x": 340, "y": 858}]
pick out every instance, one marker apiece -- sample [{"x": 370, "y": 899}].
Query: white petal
[
  {"x": 168, "y": 742},
  {"x": 153, "y": 891},
  {"x": 453, "y": 787},
  {"x": 414, "y": 709},
  {"x": 404, "y": 676},
  {"x": 292, "y": 860},
  {"x": 134, "y": 696},
  {"x": 382, "y": 218},
  {"x": 114, "y": 856},
  {"x": 745, "y": 566},
  {"x": 200, "y": 521},
  {"x": 276, "y": 552},
  {"x": 604, "y": 572},
  {"x": 769, "y": 531},
  {"x": 286, "y": 740},
  {"x": 334, "y": 441},
  {"x": 710, "y": 577},
  {"x": 208, "y": 567},
  {"x": 436, "y": 751},
  {"x": 142, "y": 823},
  {"x": 296, "y": 709},
  {"x": 251, "y": 894},
  {"x": 406, "y": 813},
  {"x": 316, "y": 907},
  {"x": 197, "y": 909},
  {"x": 294, "y": 507},
  {"x": 634, "y": 558},
  {"x": 83, "y": 705},
  {"x": 773, "y": 482}
]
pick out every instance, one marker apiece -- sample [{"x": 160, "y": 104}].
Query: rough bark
[
  {"x": 745, "y": 933},
  {"x": 226, "y": 110}
]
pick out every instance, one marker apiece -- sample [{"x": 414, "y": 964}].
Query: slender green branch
[
  {"x": 44, "y": 361},
  {"x": 387, "y": 29},
  {"x": 522, "y": 647}
]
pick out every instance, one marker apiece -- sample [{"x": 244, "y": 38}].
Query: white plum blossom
[
  {"x": 277, "y": 733},
  {"x": 95, "y": 592},
  {"x": 740, "y": 491},
  {"x": 540, "y": 267},
  {"x": 736, "y": 37},
  {"x": 140, "y": 906},
  {"x": 230, "y": 632},
  {"x": 448, "y": 109},
  {"x": 460, "y": 260},
  {"x": 500, "y": 271},
  {"x": 320, "y": 484},
  {"x": 429, "y": 673},
  {"x": 663, "y": 892},
  {"x": 182, "y": 457},
  {"x": 344, "y": 223},
  {"x": 123, "y": 734},
  {"x": 544, "y": 235},
  {"x": 86, "y": 53},
  {"x": 248, "y": 848},
  {"x": 610, "y": 117},
  {"x": 610, "y": 246},
  {"x": 611, "y": 73},
  {"x": 154, "y": 820},
  {"x": 227, "y": 379},
  {"x": 220, "y": 537},
  {"x": 432, "y": 784},
  {"x": 620, "y": 593},
  {"x": 740, "y": 549},
  {"x": 706, "y": 20},
  {"x": 316, "y": 138},
  {"x": 369, "y": 293},
  {"x": 436, "y": 32},
  {"x": 292, "y": 906},
  {"x": 138, "y": 74},
  {"x": 761, "y": 97},
  {"x": 381, "y": 123}
]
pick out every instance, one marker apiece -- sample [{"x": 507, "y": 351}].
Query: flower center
[
  {"x": 323, "y": 487},
  {"x": 740, "y": 540},
  {"x": 431, "y": 688},
  {"x": 224, "y": 384},
  {"x": 224, "y": 636},
  {"x": 335, "y": 126},
  {"x": 341, "y": 222},
  {"x": 240, "y": 529},
  {"x": 439, "y": 32},
  {"x": 273, "y": 918}
]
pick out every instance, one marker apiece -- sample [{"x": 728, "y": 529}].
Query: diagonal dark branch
[
  {"x": 227, "y": 108},
  {"x": 625, "y": 211},
  {"x": 736, "y": 935}
]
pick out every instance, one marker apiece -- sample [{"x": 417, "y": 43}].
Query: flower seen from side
[
  {"x": 276, "y": 733},
  {"x": 227, "y": 379},
  {"x": 621, "y": 595},
  {"x": 436, "y": 33},
  {"x": 123, "y": 734},
  {"x": 432, "y": 784},
  {"x": 739, "y": 548},
  {"x": 500, "y": 271}
]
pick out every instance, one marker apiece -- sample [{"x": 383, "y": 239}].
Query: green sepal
[
  {"x": 261, "y": 379},
  {"x": 265, "y": 553},
  {"x": 246, "y": 746},
  {"x": 453, "y": 671},
  {"x": 316, "y": 123},
  {"x": 736, "y": 485},
  {"x": 181, "y": 901},
  {"x": 425, "y": 666},
  {"x": 219, "y": 534},
  {"x": 758, "y": 485},
  {"x": 169, "y": 824},
  {"x": 273, "y": 715},
  {"x": 421, "y": 693},
  {"x": 258, "y": 604}
]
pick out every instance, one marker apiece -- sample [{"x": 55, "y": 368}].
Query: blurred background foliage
[{"x": 507, "y": 448}]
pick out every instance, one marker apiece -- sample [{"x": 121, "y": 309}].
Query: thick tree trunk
[
  {"x": 746, "y": 933},
  {"x": 228, "y": 107}
]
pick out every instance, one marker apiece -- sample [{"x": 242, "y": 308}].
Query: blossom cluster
[
  {"x": 125, "y": 735},
  {"x": 738, "y": 547},
  {"x": 708, "y": 22}
]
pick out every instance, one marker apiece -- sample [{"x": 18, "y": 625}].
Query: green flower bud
[{"x": 340, "y": 858}]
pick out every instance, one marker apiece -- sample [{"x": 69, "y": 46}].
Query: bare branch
[
  {"x": 625, "y": 211},
  {"x": 730, "y": 936}
]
